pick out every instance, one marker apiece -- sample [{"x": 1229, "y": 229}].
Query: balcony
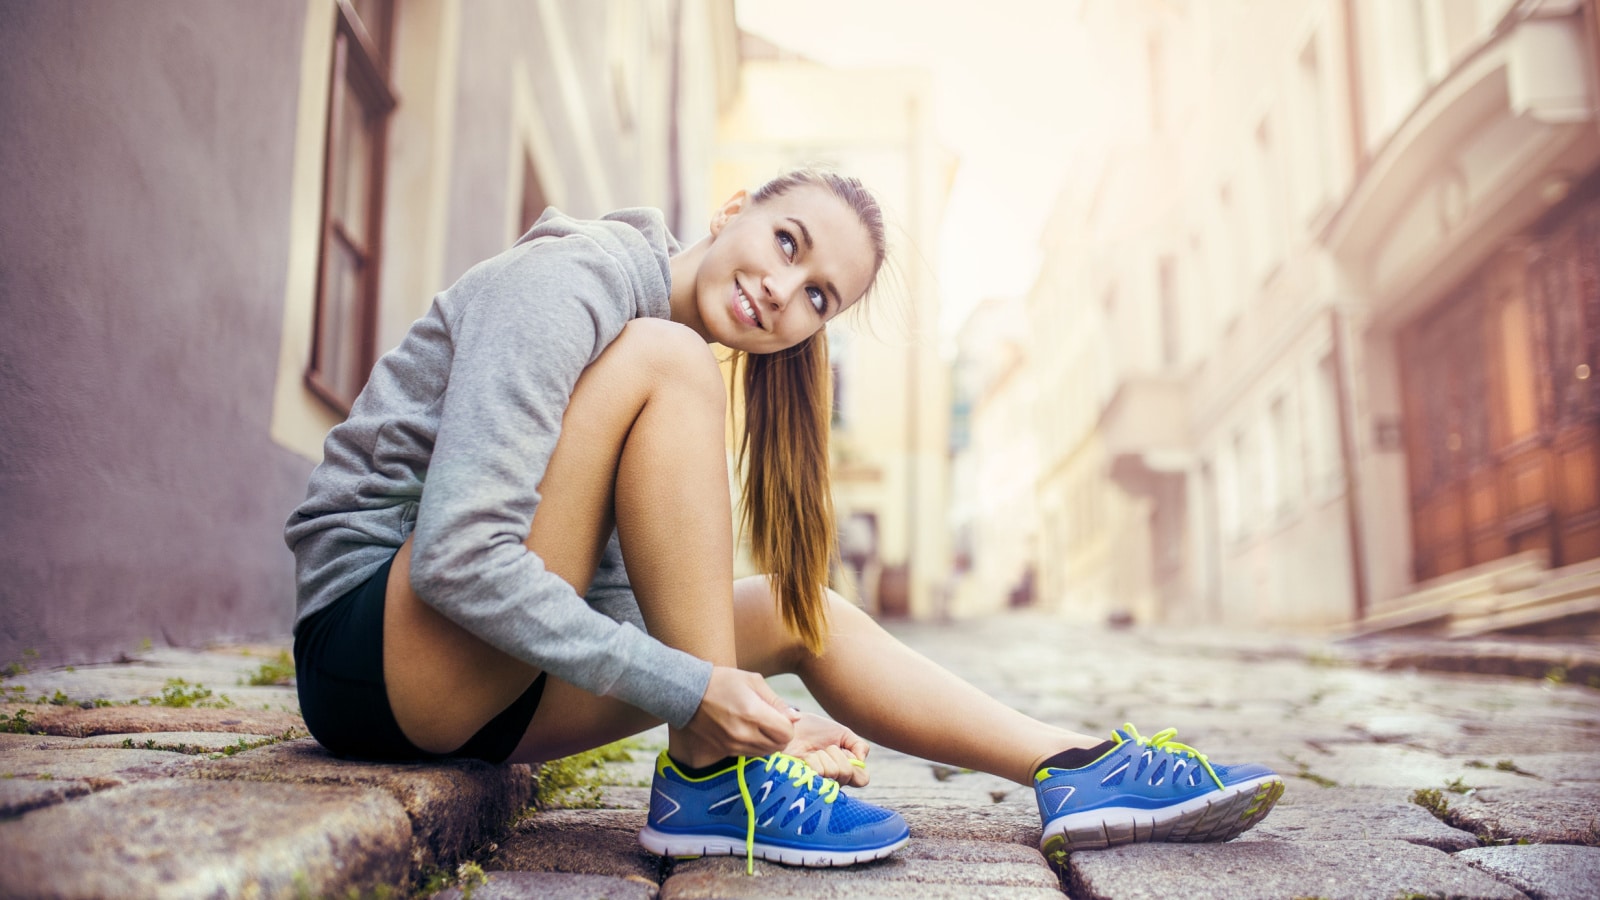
[{"x": 1145, "y": 430}]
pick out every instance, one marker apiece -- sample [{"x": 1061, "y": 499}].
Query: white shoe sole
[
  {"x": 692, "y": 845},
  {"x": 1218, "y": 816}
]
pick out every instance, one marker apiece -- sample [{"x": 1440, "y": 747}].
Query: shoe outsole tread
[
  {"x": 688, "y": 846},
  {"x": 1218, "y": 816}
]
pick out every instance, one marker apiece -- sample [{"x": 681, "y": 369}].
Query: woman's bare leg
[
  {"x": 892, "y": 695},
  {"x": 641, "y": 444}
]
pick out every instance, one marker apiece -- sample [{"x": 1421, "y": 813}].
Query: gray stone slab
[
  {"x": 1273, "y": 870},
  {"x": 1542, "y": 871},
  {"x": 933, "y": 870},
  {"x": 1391, "y": 765},
  {"x": 586, "y": 841},
  {"x": 19, "y": 795},
  {"x": 67, "y": 721},
  {"x": 555, "y": 886},
  {"x": 188, "y": 838},
  {"x": 188, "y": 742},
  {"x": 957, "y": 820},
  {"x": 1567, "y": 815},
  {"x": 455, "y": 806},
  {"x": 31, "y": 778},
  {"x": 1387, "y": 821}
]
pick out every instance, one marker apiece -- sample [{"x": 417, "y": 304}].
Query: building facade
[
  {"x": 994, "y": 522},
  {"x": 221, "y": 214},
  {"x": 1354, "y": 313}
]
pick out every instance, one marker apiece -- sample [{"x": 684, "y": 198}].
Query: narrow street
[{"x": 215, "y": 790}]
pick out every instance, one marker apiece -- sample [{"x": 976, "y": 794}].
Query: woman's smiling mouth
[{"x": 744, "y": 307}]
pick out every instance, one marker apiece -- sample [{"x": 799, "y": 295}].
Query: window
[
  {"x": 1313, "y": 163},
  {"x": 1156, "y": 61},
  {"x": 1171, "y": 327},
  {"x": 360, "y": 99}
]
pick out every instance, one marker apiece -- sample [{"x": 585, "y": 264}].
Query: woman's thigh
[{"x": 443, "y": 682}]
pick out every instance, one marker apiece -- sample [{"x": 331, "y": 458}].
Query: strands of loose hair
[{"x": 787, "y": 502}]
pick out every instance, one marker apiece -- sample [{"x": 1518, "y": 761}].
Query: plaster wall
[{"x": 143, "y": 246}]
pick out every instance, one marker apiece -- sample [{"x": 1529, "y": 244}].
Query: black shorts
[{"x": 338, "y": 660}]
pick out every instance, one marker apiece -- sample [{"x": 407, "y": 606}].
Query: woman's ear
[{"x": 734, "y": 205}]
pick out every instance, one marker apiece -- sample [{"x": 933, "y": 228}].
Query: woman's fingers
[{"x": 737, "y": 716}]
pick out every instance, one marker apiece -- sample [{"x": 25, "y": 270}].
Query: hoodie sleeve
[{"x": 521, "y": 335}]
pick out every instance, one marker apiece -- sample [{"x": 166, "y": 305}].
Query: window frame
[{"x": 360, "y": 66}]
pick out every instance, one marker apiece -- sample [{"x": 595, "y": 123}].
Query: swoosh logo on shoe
[
  {"x": 676, "y": 806},
  {"x": 1070, "y": 790}
]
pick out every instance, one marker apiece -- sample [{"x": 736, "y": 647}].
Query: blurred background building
[
  {"x": 1311, "y": 342},
  {"x": 1318, "y": 319}
]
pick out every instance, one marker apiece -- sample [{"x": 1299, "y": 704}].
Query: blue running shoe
[
  {"x": 775, "y": 807},
  {"x": 1150, "y": 789}
]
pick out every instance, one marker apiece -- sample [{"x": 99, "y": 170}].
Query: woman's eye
[
  {"x": 817, "y": 299},
  {"x": 786, "y": 241}
]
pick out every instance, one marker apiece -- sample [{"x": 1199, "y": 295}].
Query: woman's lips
[{"x": 744, "y": 309}]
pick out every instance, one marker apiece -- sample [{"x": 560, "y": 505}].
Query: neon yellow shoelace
[
  {"x": 1162, "y": 740},
  {"x": 800, "y": 775}
]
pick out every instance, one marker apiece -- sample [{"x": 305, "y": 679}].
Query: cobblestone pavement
[{"x": 171, "y": 774}]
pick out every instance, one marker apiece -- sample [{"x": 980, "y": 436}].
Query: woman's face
[{"x": 777, "y": 271}]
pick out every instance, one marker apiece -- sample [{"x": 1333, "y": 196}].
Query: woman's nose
[{"x": 778, "y": 290}]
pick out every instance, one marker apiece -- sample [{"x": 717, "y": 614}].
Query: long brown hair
[{"x": 787, "y": 502}]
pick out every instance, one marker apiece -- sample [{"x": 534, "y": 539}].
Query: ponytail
[
  {"x": 786, "y": 506},
  {"x": 787, "y": 501}
]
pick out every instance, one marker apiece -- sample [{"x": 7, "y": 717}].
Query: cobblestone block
[
  {"x": 1387, "y": 821},
  {"x": 1273, "y": 870},
  {"x": 31, "y": 778},
  {"x": 1009, "y": 823},
  {"x": 187, "y": 838},
  {"x": 556, "y": 886},
  {"x": 455, "y": 806},
  {"x": 580, "y": 841},
  {"x": 1569, "y": 815},
  {"x": 1542, "y": 871},
  {"x": 188, "y": 742},
  {"x": 922, "y": 870},
  {"x": 71, "y": 721}
]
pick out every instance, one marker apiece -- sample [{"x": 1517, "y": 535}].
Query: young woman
[{"x": 460, "y": 553}]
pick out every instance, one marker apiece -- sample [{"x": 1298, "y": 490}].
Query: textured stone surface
[
  {"x": 18, "y": 795},
  {"x": 965, "y": 820},
  {"x": 454, "y": 806},
  {"x": 110, "y": 767},
  {"x": 190, "y": 838},
  {"x": 1568, "y": 815},
  {"x": 189, "y": 742},
  {"x": 70, "y": 721},
  {"x": 1273, "y": 870},
  {"x": 556, "y": 886},
  {"x": 586, "y": 841},
  {"x": 1542, "y": 871},
  {"x": 1396, "y": 821},
  {"x": 922, "y": 869}
]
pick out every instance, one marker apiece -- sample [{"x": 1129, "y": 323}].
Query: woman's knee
[
  {"x": 766, "y": 642},
  {"x": 667, "y": 355}
]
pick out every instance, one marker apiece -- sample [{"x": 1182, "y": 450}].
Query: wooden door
[
  {"x": 1564, "y": 284},
  {"x": 1502, "y": 414}
]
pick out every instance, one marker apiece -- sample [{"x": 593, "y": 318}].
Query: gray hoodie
[{"x": 450, "y": 439}]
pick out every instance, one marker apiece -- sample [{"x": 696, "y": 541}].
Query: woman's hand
[
  {"x": 830, "y": 748},
  {"x": 740, "y": 715}
]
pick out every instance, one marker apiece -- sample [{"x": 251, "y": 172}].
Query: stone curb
[{"x": 189, "y": 838}]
